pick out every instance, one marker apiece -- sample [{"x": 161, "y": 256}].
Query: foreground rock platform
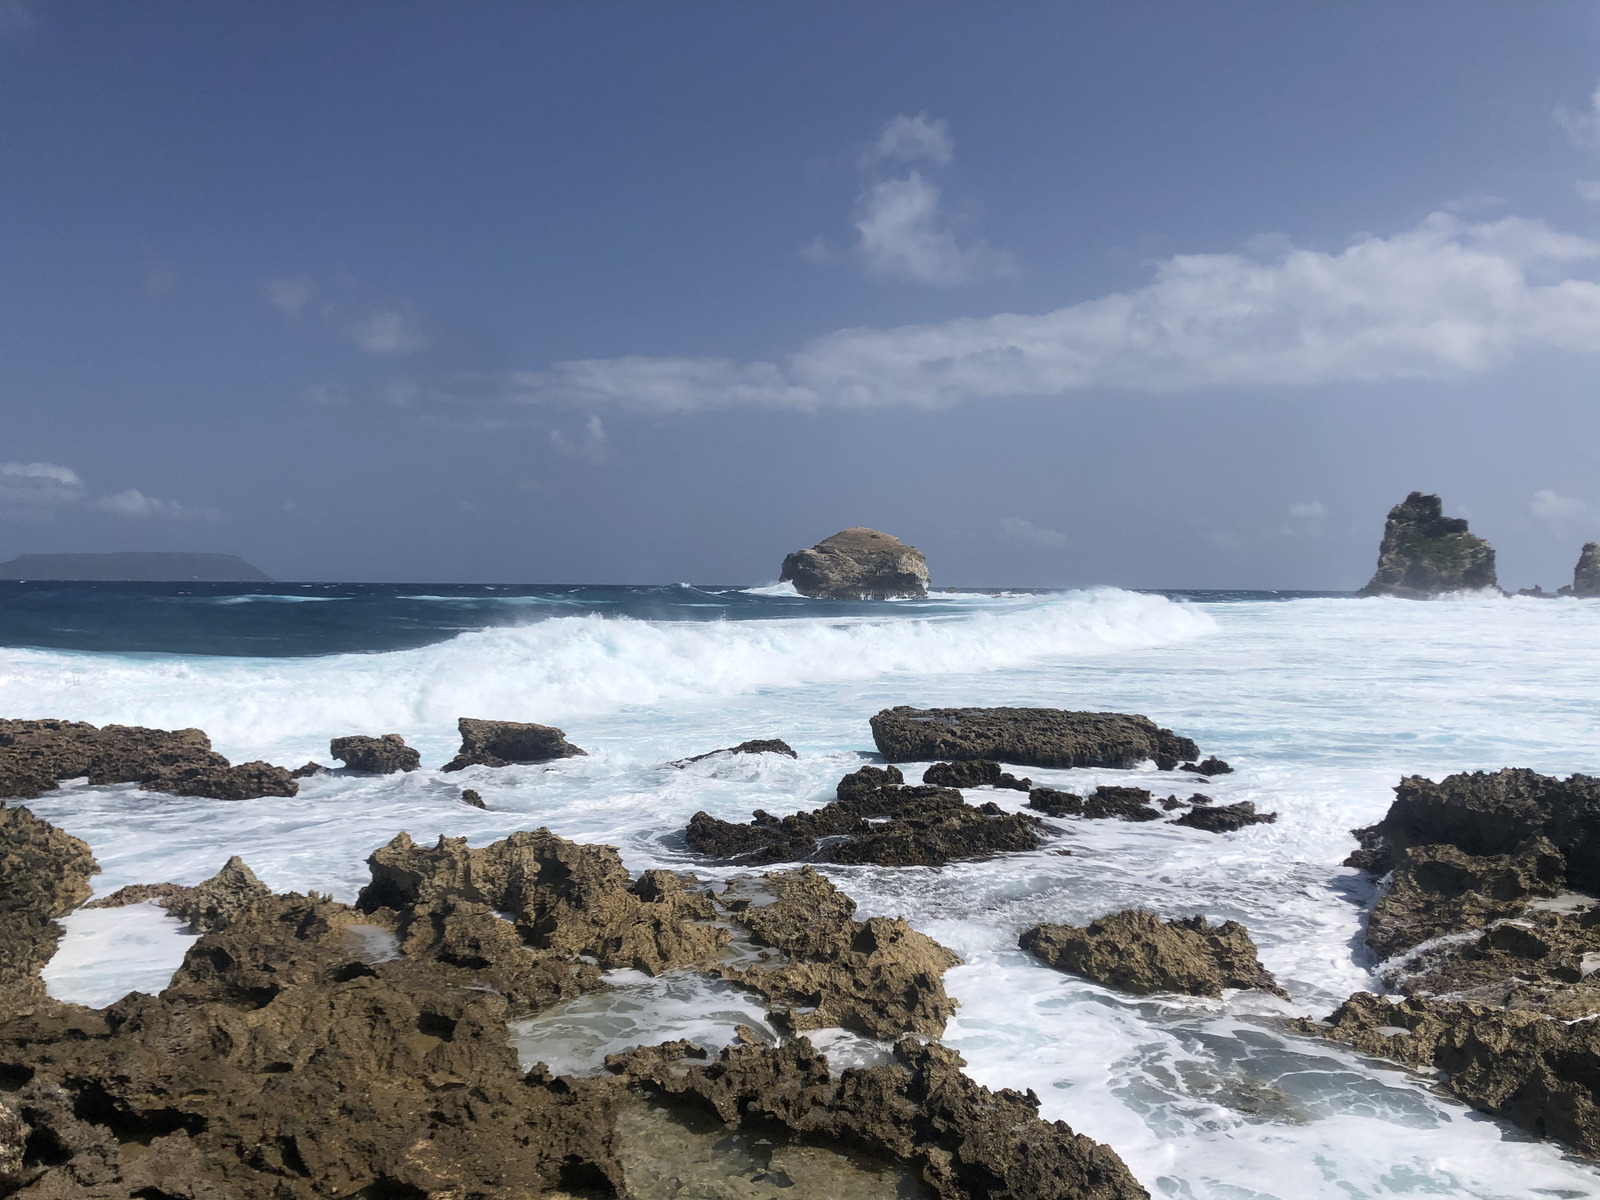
[
  {"x": 36, "y": 755},
  {"x": 876, "y": 819},
  {"x": 858, "y": 564},
  {"x": 1030, "y": 737},
  {"x": 308, "y": 1049},
  {"x": 1426, "y": 554},
  {"x": 1136, "y": 951}
]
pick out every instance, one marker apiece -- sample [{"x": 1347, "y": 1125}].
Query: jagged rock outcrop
[
  {"x": 879, "y": 976},
  {"x": 208, "y": 907},
  {"x": 1425, "y": 553},
  {"x": 34, "y": 755},
  {"x": 973, "y": 774},
  {"x": 501, "y": 743},
  {"x": 1586, "y": 575},
  {"x": 1211, "y": 766},
  {"x": 754, "y": 746},
  {"x": 1135, "y": 804},
  {"x": 375, "y": 755},
  {"x": 967, "y": 1142},
  {"x": 874, "y": 820},
  {"x": 1033, "y": 737},
  {"x": 44, "y": 874},
  {"x": 857, "y": 564},
  {"x": 1136, "y": 951},
  {"x": 1224, "y": 818}
]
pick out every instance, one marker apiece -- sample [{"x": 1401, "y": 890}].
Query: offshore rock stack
[
  {"x": 858, "y": 564},
  {"x": 1425, "y": 553}
]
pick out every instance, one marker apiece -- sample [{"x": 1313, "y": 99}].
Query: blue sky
[{"x": 1154, "y": 295}]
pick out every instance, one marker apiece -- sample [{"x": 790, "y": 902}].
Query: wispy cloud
[
  {"x": 1589, "y": 189},
  {"x": 1446, "y": 299},
  {"x": 590, "y": 444},
  {"x": 1017, "y": 529},
  {"x": 1582, "y": 124},
  {"x": 1558, "y": 510},
  {"x": 290, "y": 293},
  {"x": 38, "y": 489},
  {"x": 1308, "y": 510},
  {"x": 387, "y": 332},
  {"x": 135, "y": 504},
  {"x": 902, "y": 230},
  {"x": 15, "y": 15}
]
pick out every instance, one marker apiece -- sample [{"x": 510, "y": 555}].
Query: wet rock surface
[
  {"x": 858, "y": 564},
  {"x": 1224, "y": 818},
  {"x": 1425, "y": 553},
  {"x": 208, "y": 907},
  {"x": 754, "y": 746},
  {"x": 973, "y": 774},
  {"x": 964, "y": 1140},
  {"x": 1136, "y": 951},
  {"x": 44, "y": 874},
  {"x": 1033, "y": 737},
  {"x": 501, "y": 743},
  {"x": 879, "y": 977},
  {"x": 876, "y": 819},
  {"x": 375, "y": 755},
  {"x": 1211, "y": 766},
  {"x": 35, "y": 755}
]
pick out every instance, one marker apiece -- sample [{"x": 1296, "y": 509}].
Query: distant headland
[{"x": 134, "y": 566}]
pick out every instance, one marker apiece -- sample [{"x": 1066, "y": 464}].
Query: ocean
[{"x": 1321, "y": 703}]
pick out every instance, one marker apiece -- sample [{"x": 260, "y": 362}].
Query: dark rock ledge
[
  {"x": 1134, "y": 804},
  {"x": 1491, "y": 932},
  {"x": 290, "y": 1060},
  {"x": 1030, "y": 737},
  {"x": 501, "y": 743}
]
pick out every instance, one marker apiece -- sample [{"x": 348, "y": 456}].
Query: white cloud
[
  {"x": 906, "y": 139},
  {"x": 1019, "y": 530},
  {"x": 390, "y": 332},
  {"x": 289, "y": 294},
  {"x": 903, "y": 236},
  {"x": 1560, "y": 510},
  {"x": 1440, "y": 301},
  {"x": 1582, "y": 125},
  {"x": 37, "y": 489},
  {"x": 591, "y": 445},
  {"x": 327, "y": 393},
  {"x": 1589, "y": 189},
  {"x": 14, "y": 15},
  {"x": 1309, "y": 510},
  {"x": 135, "y": 504}
]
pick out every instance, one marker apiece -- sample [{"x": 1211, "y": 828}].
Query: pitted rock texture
[
  {"x": 858, "y": 564},
  {"x": 871, "y": 822},
  {"x": 754, "y": 746},
  {"x": 44, "y": 874},
  {"x": 1425, "y": 553},
  {"x": 501, "y": 743},
  {"x": 1534, "y": 1070},
  {"x": 375, "y": 755},
  {"x": 1225, "y": 818},
  {"x": 967, "y": 1142},
  {"x": 1033, "y": 737},
  {"x": 34, "y": 755},
  {"x": 1136, "y": 951},
  {"x": 1476, "y": 847},
  {"x": 207, "y": 907},
  {"x": 879, "y": 976},
  {"x": 977, "y": 773}
]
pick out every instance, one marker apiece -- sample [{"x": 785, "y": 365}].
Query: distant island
[{"x": 134, "y": 567}]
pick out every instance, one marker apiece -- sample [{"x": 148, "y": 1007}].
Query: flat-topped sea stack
[
  {"x": 858, "y": 564},
  {"x": 1425, "y": 554}
]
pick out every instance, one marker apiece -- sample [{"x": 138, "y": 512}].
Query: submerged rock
[
  {"x": 471, "y": 798},
  {"x": 966, "y": 1141},
  {"x": 1034, "y": 737},
  {"x": 1224, "y": 818},
  {"x": 754, "y": 746},
  {"x": 375, "y": 755},
  {"x": 1136, "y": 951},
  {"x": 1425, "y": 553},
  {"x": 858, "y": 564},
  {"x": 871, "y": 822},
  {"x": 44, "y": 874},
  {"x": 973, "y": 774},
  {"x": 879, "y": 976},
  {"x": 1586, "y": 575},
  {"x": 501, "y": 743},
  {"x": 35, "y": 755}
]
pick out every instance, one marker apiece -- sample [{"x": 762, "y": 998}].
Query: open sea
[{"x": 1321, "y": 702}]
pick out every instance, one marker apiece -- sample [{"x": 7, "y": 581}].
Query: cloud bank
[{"x": 1446, "y": 299}]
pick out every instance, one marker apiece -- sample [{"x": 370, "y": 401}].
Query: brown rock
[
  {"x": 964, "y": 1140},
  {"x": 1034, "y": 737},
  {"x": 35, "y": 754},
  {"x": 375, "y": 755},
  {"x": 858, "y": 564},
  {"x": 978, "y": 773},
  {"x": 470, "y": 797},
  {"x": 1054, "y": 803},
  {"x": 755, "y": 746},
  {"x": 1211, "y": 766},
  {"x": 1586, "y": 575},
  {"x": 1224, "y": 818},
  {"x": 44, "y": 874},
  {"x": 1425, "y": 553},
  {"x": 207, "y": 907},
  {"x": 247, "y": 781},
  {"x": 501, "y": 743},
  {"x": 1136, "y": 951}
]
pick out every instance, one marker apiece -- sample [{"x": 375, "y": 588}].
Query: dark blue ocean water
[{"x": 297, "y": 619}]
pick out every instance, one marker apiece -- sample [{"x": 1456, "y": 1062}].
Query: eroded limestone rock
[
  {"x": 375, "y": 755},
  {"x": 44, "y": 874},
  {"x": 973, "y": 774},
  {"x": 1033, "y": 737},
  {"x": 1425, "y": 553},
  {"x": 501, "y": 743},
  {"x": 858, "y": 564}
]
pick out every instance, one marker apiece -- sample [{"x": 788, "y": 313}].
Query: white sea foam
[{"x": 1322, "y": 705}]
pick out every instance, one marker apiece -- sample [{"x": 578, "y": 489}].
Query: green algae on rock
[{"x": 1425, "y": 553}]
